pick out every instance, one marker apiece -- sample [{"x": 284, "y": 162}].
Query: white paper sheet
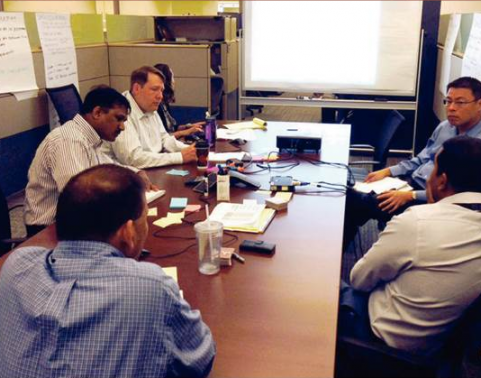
[
  {"x": 58, "y": 53},
  {"x": 16, "y": 61},
  {"x": 472, "y": 55},
  {"x": 246, "y": 134},
  {"x": 451, "y": 35}
]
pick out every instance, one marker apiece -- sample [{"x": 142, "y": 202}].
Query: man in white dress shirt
[
  {"x": 70, "y": 149},
  {"x": 424, "y": 271},
  {"x": 145, "y": 142}
]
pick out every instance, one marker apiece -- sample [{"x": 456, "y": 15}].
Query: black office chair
[
  {"x": 381, "y": 145},
  {"x": 66, "y": 100},
  {"x": 6, "y": 241},
  {"x": 360, "y": 358},
  {"x": 216, "y": 93}
]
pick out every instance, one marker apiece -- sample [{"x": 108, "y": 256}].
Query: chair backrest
[
  {"x": 391, "y": 123},
  {"x": 66, "y": 100},
  {"x": 216, "y": 90},
  {"x": 5, "y": 230}
]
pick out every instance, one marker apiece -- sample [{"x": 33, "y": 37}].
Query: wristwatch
[{"x": 415, "y": 196}]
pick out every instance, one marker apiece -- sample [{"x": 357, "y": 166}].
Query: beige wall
[
  {"x": 448, "y": 7},
  {"x": 145, "y": 8},
  {"x": 51, "y": 6},
  {"x": 194, "y": 7}
]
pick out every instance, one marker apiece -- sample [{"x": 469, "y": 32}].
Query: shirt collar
[
  {"x": 464, "y": 197},
  {"x": 87, "y": 130},
  {"x": 474, "y": 131},
  {"x": 135, "y": 108},
  {"x": 85, "y": 249}
]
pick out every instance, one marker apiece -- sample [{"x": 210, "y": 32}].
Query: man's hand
[
  {"x": 148, "y": 184},
  {"x": 393, "y": 200},
  {"x": 378, "y": 175},
  {"x": 192, "y": 129},
  {"x": 188, "y": 154}
]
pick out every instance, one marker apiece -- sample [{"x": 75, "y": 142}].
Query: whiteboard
[{"x": 358, "y": 47}]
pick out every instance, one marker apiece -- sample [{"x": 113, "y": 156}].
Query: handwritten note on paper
[
  {"x": 451, "y": 35},
  {"x": 16, "y": 61},
  {"x": 472, "y": 55},
  {"x": 58, "y": 49}
]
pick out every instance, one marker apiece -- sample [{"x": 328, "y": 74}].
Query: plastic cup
[{"x": 209, "y": 243}]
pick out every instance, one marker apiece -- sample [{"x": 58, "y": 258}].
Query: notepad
[
  {"x": 384, "y": 185},
  {"x": 178, "y": 203},
  {"x": 153, "y": 195},
  {"x": 220, "y": 157},
  {"x": 253, "y": 218}
]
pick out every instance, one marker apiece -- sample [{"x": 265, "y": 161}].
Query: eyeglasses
[{"x": 448, "y": 102}]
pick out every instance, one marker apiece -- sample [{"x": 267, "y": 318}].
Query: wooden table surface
[{"x": 274, "y": 316}]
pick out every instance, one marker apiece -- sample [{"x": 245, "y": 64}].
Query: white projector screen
[{"x": 358, "y": 47}]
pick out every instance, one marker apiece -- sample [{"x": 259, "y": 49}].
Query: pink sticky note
[{"x": 192, "y": 208}]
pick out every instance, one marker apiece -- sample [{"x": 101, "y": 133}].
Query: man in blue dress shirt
[
  {"x": 87, "y": 308},
  {"x": 463, "y": 110}
]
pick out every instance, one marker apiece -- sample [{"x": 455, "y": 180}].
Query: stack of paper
[
  {"x": 384, "y": 185},
  {"x": 222, "y": 157},
  {"x": 153, "y": 195},
  {"x": 246, "y": 134},
  {"x": 247, "y": 217}
]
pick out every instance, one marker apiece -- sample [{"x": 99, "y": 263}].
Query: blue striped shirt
[{"x": 85, "y": 310}]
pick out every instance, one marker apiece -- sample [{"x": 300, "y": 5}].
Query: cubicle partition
[{"x": 109, "y": 58}]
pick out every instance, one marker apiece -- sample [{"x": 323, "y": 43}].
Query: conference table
[{"x": 273, "y": 316}]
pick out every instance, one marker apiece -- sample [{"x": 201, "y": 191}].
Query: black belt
[{"x": 470, "y": 206}]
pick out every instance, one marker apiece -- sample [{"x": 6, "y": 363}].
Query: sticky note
[
  {"x": 286, "y": 196},
  {"x": 264, "y": 192},
  {"x": 192, "y": 208},
  {"x": 170, "y": 219},
  {"x": 178, "y": 203},
  {"x": 152, "y": 212},
  {"x": 177, "y": 172}
]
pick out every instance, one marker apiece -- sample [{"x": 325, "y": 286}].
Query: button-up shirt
[
  {"x": 421, "y": 166},
  {"x": 424, "y": 271},
  {"x": 84, "y": 310},
  {"x": 145, "y": 143},
  {"x": 66, "y": 151}
]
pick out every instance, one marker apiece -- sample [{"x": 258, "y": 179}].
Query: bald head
[{"x": 98, "y": 201}]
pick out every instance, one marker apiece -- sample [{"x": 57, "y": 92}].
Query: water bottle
[{"x": 210, "y": 130}]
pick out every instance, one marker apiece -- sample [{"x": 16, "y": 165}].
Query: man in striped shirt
[
  {"x": 145, "y": 142},
  {"x": 70, "y": 149}
]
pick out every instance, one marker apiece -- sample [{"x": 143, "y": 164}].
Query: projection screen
[{"x": 358, "y": 47}]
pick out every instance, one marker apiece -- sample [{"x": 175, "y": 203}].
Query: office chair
[
  {"x": 217, "y": 91},
  {"x": 361, "y": 358},
  {"x": 6, "y": 241},
  {"x": 380, "y": 145},
  {"x": 66, "y": 100}
]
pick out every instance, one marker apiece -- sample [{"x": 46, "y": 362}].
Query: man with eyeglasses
[{"x": 463, "y": 110}]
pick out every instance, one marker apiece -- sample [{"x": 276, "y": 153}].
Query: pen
[{"x": 238, "y": 257}]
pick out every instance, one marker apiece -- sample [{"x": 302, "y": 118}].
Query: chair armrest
[
  {"x": 13, "y": 241},
  {"x": 364, "y": 162},
  {"x": 361, "y": 146},
  {"x": 378, "y": 348}
]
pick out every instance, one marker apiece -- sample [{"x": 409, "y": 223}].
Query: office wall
[
  {"x": 51, "y": 6},
  {"x": 145, "y": 8},
  {"x": 448, "y": 7},
  {"x": 194, "y": 7}
]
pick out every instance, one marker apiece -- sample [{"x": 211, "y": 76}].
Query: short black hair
[
  {"x": 98, "y": 201},
  {"x": 468, "y": 83},
  {"x": 169, "y": 95},
  {"x": 460, "y": 160},
  {"x": 105, "y": 97}
]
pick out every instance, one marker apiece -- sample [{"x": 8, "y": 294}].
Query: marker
[{"x": 238, "y": 257}]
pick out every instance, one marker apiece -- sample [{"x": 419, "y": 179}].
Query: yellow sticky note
[
  {"x": 286, "y": 196},
  {"x": 152, "y": 212}
]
